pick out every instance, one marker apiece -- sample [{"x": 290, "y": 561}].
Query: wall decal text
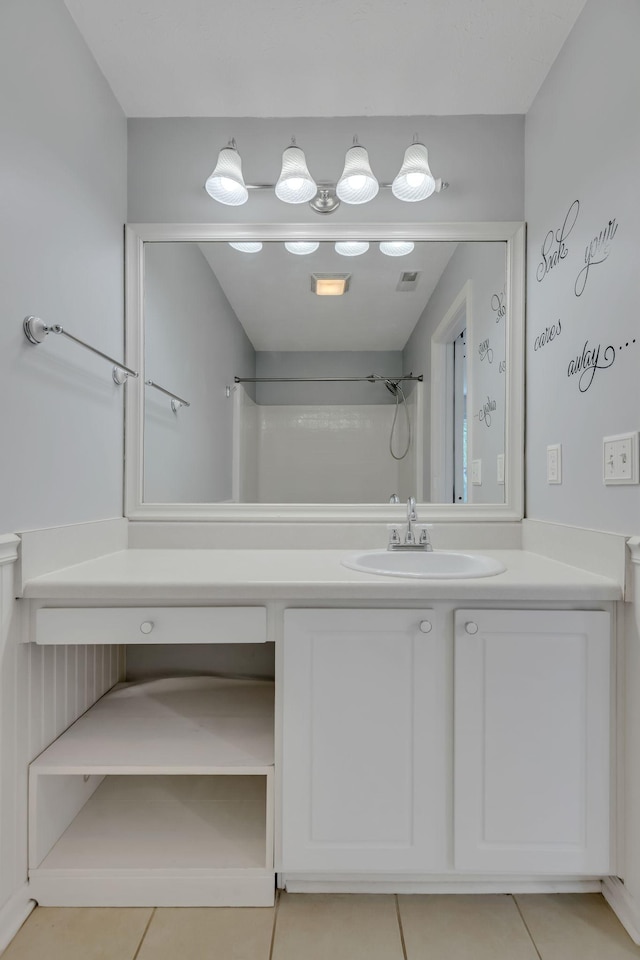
[
  {"x": 502, "y": 366},
  {"x": 588, "y": 362},
  {"x": 554, "y": 247},
  {"x": 596, "y": 251},
  {"x": 498, "y": 306},
  {"x": 547, "y": 335},
  {"x": 485, "y": 351},
  {"x": 485, "y": 411}
]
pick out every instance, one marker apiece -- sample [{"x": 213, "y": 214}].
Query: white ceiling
[
  {"x": 270, "y": 293},
  {"x": 289, "y": 58}
]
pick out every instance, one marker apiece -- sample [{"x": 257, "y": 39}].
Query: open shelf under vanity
[{"x": 161, "y": 794}]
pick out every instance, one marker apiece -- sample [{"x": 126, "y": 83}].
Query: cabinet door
[
  {"x": 365, "y": 741},
  {"x": 532, "y": 767}
]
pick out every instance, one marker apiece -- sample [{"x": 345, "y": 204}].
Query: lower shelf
[
  {"x": 160, "y": 795},
  {"x": 153, "y": 840}
]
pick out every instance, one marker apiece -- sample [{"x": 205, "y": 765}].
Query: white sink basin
[{"x": 428, "y": 565}]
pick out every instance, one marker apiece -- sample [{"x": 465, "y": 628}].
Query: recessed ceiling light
[
  {"x": 351, "y": 248},
  {"x": 247, "y": 246},
  {"x": 330, "y": 284},
  {"x": 302, "y": 247},
  {"x": 396, "y": 248}
]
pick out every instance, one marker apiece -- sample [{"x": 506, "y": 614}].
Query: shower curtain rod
[{"x": 370, "y": 379}]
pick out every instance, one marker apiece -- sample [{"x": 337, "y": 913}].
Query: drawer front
[{"x": 125, "y": 625}]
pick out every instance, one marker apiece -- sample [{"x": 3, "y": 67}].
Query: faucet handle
[
  {"x": 424, "y": 538},
  {"x": 394, "y": 536}
]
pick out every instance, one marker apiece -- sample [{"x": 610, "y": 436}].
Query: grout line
[
  {"x": 399, "y": 918},
  {"x": 526, "y": 926},
  {"x": 146, "y": 930},
  {"x": 273, "y": 929}
]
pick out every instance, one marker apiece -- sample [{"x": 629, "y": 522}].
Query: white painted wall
[
  {"x": 63, "y": 200},
  {"x": 194, "y": 345},
  {"x": 583, "y": 143},
  {"x": 480, "y": 156},
  {"x": 482, "y": 265},
  {"x": 63, "y": 176}
]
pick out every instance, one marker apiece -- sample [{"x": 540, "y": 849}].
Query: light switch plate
[
  {"x": 554, "y": 463},
  {"x": 620, "y": 459},
  {"x": 476, "y": 473},
  {"x": 500, "y": 468}
]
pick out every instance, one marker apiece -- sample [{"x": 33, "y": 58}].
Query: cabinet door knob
[
  {"x": 426, "y": 626},
  {"x": 471, "y": 627},
  {"x": 146, "y": 626}
]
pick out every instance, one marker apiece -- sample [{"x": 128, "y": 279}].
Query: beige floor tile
[
  {"x": 461, "y": 927},
  {"x": 79, "y": 933},
  {"x": 576, "y": 926},
  {"x": 209, "y": 933},
  {"x": 337, "y": 927}
]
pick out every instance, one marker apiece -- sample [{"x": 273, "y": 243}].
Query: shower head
[{"x": 392, "y": 386}]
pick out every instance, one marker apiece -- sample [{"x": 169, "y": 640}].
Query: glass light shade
[
  {"x": 396, "y": 248},
  {"x": 226, "y": 183},
  {"x": 295, "y": 183},
  {"x": 357, "y": 183},
  {"x": 351, "y": 248},
  {"x": 414, "y": 180},
  {"x": 302, "y": 247},
  {"x": 247, "y": 246}
]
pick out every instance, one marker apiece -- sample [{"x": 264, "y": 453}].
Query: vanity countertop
[{"x": 222, "y": 576}]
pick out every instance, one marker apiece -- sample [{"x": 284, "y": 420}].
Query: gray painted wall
[
  {"x": 347, "y": 363},
  {"x": 484, "y": 265},
  {"x": 194, "y": 344},
  {"x": 583, "y": 143},
  {"x": 63, "y": 183},
  {"x": 482, "y": 157}
]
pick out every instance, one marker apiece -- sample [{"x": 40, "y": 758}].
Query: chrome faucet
[
  {"x": 423, "y": 542},
  {"x": 412, "y": 517}
]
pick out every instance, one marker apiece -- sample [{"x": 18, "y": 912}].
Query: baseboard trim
[
  {"x": 13, "y": 914},
  {"x": 441, "y": 885},
  {"x": 624, "y": 906}
]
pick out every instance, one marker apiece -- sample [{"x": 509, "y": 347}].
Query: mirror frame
[{"x": 511, "y": 233}]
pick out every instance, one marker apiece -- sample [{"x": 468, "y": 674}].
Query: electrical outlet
[
  {"x": 500, "y": 468},
  {"x": 554, "y": 463},
  {"x": 476, "y": 473},
  {"x": 620, "y": 459}
]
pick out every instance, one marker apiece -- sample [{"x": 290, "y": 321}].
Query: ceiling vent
[{"x": 408, "y": 280}]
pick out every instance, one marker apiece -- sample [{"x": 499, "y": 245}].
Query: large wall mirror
[{"x": 319, "y": 372}]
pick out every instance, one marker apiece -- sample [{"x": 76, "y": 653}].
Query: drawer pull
[
  {"x": 426, "y": 626},
  {"x": 471, "y": 627},
  {"x": 146, "y": 626}
]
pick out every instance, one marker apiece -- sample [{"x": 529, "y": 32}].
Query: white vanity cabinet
[
  {"x": 390, "y": 749},
  {"x": 532, "y": 741},
  {"x": 365, "y": 766}
]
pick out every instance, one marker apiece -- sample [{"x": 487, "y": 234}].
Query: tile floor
[{"x": 336, "y": 927}]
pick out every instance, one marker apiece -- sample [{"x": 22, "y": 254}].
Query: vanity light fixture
[
  {"x": 351, "y": 248},
  {"x": 330, "y": 284},
  {"x": 357, "y": 183},
  {"x": 396, "y": 248},
  {"x": 414, "y": 180},
  {"x": 226, "y": 183},
  {"x": 247, "y": 246},
  {"x": 302, "y": 247},
  {"x": 295, "y": 183}
]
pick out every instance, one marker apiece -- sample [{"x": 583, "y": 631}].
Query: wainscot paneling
[{"x": 42, "y": 691}]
